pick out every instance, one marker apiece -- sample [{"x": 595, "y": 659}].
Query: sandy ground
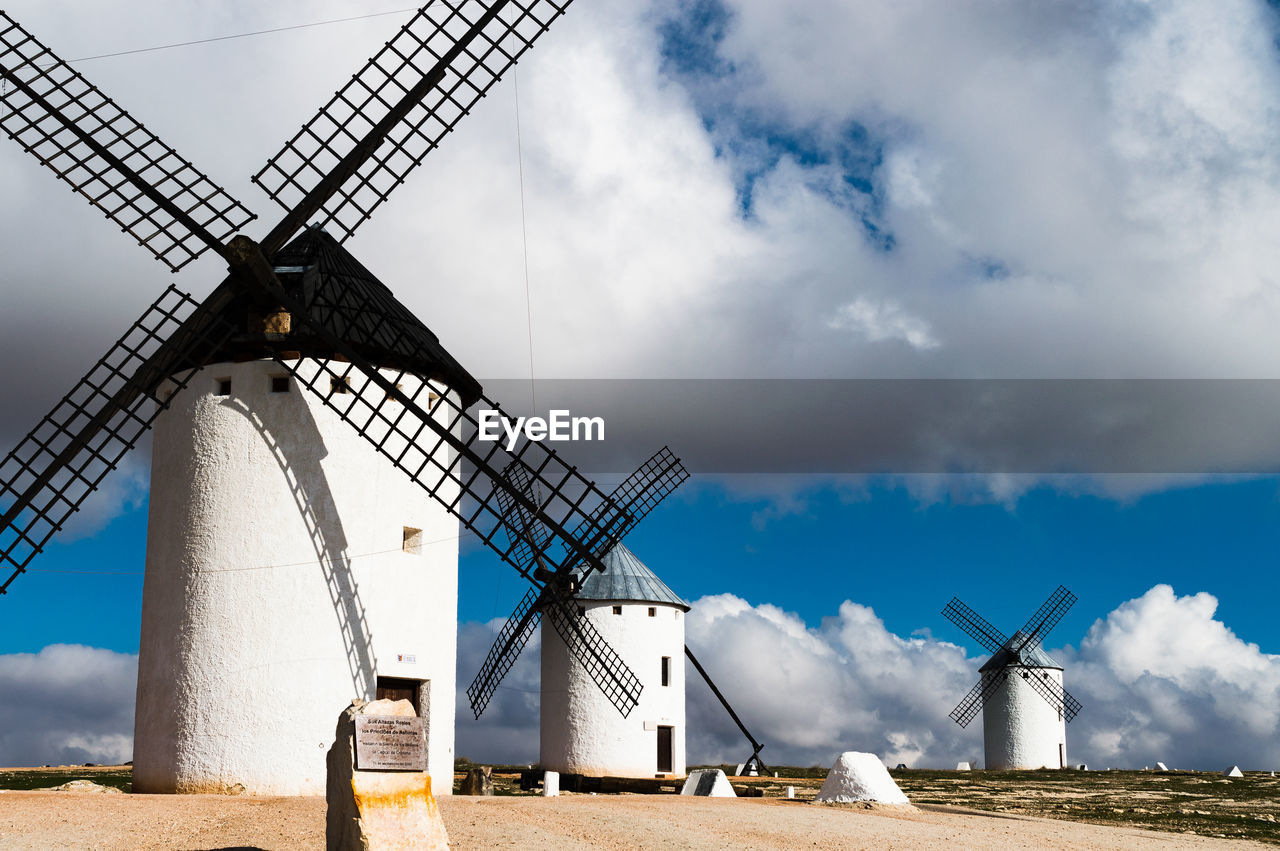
[{"x": 88, "y": 820}]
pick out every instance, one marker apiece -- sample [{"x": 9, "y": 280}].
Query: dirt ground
[{"x": 45, "y": 819}]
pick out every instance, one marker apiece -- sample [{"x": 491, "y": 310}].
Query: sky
[{"x": 719, "y": 191}]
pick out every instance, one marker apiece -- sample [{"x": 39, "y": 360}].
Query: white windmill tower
[
  {"x": 595, "y": 723},
  {"x": 1025, "y": 708},
  {"x": 304, "y": 418},
  {"x": 644, "y": 621}
]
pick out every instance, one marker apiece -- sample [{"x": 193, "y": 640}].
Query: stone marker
[
  {"x": 859, "y": 777},
  {"x": 791, "y": 791},
  {"x": 1233, "y": 771},
  {"x": 709, "y": 783},
  {"x": 551, "y": 784},
  {"x": 479, "y": 781},
  {"x": 384, "y": 807}
]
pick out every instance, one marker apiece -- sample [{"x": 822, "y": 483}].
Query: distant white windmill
[{"x": 1025, "y": 709}]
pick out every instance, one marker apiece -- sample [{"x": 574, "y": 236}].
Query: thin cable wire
[
  {"x": 524, "y": 238},
  {"x": 242, "y": 35}
]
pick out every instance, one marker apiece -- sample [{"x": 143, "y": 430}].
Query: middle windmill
[{"x": 636, "y": 613}]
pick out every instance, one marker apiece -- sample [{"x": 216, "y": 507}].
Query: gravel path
[{"x": 87, "y": 820}]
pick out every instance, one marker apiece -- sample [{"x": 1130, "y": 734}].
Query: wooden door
[{"x": 664, "y": 750}]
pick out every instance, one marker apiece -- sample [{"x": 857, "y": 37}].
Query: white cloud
[
  {"x": 67, "y": 704},
  {"x": 883, "y": 320},
  {"x": 1160, "y": 678}
]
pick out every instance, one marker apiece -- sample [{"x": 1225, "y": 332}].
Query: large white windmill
[
  {"x": 1025, "y": 708},
  {"x": 312, "y": 435}
]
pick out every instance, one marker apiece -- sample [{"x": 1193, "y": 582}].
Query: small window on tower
[
  {"x": 666, "y": 670},
  {"x": 279, "y": 384},
  {"x": 399, "y": 387},
  {"x": 432, "y": 398},
  {"x": 653, "y": 611},
  {"x": 617, "y": 610},
  {"x": 412, "y": 541},
  {"x": 223, "y": 387},
  {"x": 340, "y": 385}
]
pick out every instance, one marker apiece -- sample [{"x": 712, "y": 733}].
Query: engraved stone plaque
[{"x": 390, "y": 742}]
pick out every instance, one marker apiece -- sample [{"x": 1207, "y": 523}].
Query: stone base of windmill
[
  {"x": 379, "y": 791},
  {"x": 860, "y": 778}
]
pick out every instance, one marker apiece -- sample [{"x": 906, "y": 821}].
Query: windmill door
[{"x": 664, "y": 750}]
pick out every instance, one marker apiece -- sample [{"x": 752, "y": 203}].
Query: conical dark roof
[
  {"x": 347, "y": 300},
  {"x": 1032, "y": 656},
  {"x": 628, "y": 580}
]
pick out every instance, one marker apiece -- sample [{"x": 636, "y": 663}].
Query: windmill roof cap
[
  {"x": 1032, "y": 655},
  {"x": 628, "y": 579}
]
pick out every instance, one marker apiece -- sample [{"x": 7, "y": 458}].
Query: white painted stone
[
  {"x": 1233, "y": 771},
  {"x": 581, "y": 731},
  {"x": 551, "y": 784},
  {"x": 963, "y": 766},
  {"x": 277, "y": 589},
  {"x": 791, "y": 791},
  {"x": 1021, "y": 730},
  {"x": 708, "y": 783},
  {"x": 859, "y": 777}
]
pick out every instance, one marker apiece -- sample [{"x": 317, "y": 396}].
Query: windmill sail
[{"x": 104, "y": 154}]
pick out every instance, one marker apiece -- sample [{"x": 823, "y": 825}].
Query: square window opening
[
  {"x": 222, "y": 387},
  {"x": 279, "y": 384},
  {"x": 412, "y": 541},
  {"x": 653, "y": 611},
  {"x": 617, "y": 610},
  {"x": 340, "y": 385}
]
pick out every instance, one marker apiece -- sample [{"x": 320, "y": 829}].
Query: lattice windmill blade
[
  {"x": 434, "y": 441},
  {"x": 49, "y": 474},
  {"x": 974, "y": 625},
  {"x": 104, "y": 154},
  {"x": 347, "y": 159},
  {"x": 613, "y": 676},
  {"x": 1046, "y": 617},
  {"x": 642, "y": 491},
  {"x": 511, "y": 640},
  {"x": 529, "y": 538},
  {"x": 1057, "y": 696},
  {"x": 967, "y": 709}
]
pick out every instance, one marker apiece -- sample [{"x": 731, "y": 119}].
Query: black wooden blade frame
[
  {"x": 51, "y": 472},
  {"x": 1047, "y": 616},
  {"x": 967, "y": 709},
  {"x": 1057, "y": 696},
  {"x": 67, "y": 124},
  {"x": 974, "y": 625},
  {"x": 642, "y": 491},
  {"x": 528, "y": 537},
  {"x": 431, "y": 438},
  {"x": 446, "y": 58},
  {"x": 602, "y": 663},
  {"x": 511, "y": 640}
]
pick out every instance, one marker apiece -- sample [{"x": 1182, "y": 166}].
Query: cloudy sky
[{"x": 748, "y": 189}]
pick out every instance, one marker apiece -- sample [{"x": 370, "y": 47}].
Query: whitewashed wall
[
  {"x": 1020, "y": 729},
  {"x": 581, "y": 731},
  {"x": 277, "y": 589}
]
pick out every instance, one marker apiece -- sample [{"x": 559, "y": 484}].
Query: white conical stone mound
[
  {"x": 1233, "y": 771},
  {"x": 859, "y": 777},
  {"x": 709, "y": 783}
]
